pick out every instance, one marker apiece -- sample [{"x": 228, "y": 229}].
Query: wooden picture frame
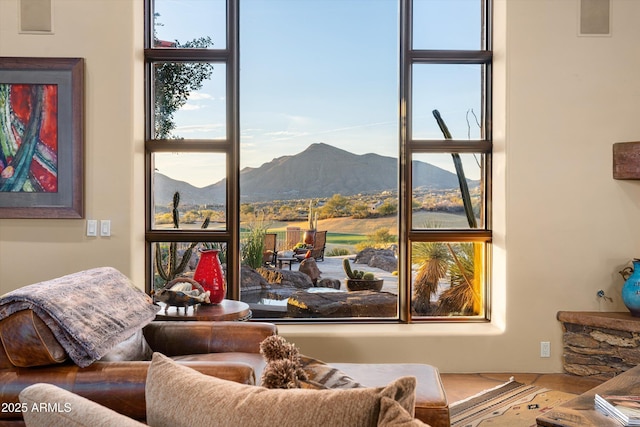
[{"x": 41, "y": 137}]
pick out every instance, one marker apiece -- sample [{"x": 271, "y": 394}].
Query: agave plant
[
  {"x": 461, "y": 297},
  {"x": 434, "y": 259},
  {"x": 438, "y": 259}
]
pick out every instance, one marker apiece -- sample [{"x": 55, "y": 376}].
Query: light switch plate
[
  {"x": 92, "y": 227},
  {"x": 105, "y": 227}
]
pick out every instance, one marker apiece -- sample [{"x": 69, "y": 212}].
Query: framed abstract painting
[{"x": 41, "y": 137}]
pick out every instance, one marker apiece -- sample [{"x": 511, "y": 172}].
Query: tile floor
[{"x": 460, "y": 386}]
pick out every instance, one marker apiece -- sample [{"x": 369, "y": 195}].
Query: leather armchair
[{"x": 229, "y": 350}]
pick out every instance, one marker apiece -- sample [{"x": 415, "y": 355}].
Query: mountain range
[{"x": 319, "y": 171}]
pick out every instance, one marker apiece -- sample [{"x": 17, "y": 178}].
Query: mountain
[
  {"x": 165, "y": 187},
  {"x": 319, "y": 171}
]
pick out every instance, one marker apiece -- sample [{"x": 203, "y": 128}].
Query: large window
[{"x": 366, "y": 122}]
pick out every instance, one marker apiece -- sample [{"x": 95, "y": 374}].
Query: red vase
[{"x": 209, "y": 274}]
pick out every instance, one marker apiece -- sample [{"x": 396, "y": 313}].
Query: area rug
[{"x": 512, "y": 404}]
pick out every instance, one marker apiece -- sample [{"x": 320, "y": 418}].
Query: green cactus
[
  {"x": 175, "y": 267},
  {"x": 347, "y": 268},
  {"x": 356, "y": 274}
]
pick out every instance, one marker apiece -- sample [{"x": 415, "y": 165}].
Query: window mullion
[
  {"x": 450, "y": 56},
  {"x": 186, "y": 145},
  {"x": 186, "y": 55},
  {"x": 404, "y": 204},
  {"x": 449, "y": 146},
  {"x": 233, "y": 157}
]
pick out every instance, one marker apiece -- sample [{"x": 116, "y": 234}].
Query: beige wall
[
  {"x": 563, "y": 226},
  {"x": 108, "y": 34}
]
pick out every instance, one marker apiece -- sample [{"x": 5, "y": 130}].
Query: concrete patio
[{"x": 331, "y": 268}]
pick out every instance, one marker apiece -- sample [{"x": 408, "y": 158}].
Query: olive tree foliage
[{"x": 173, "y": 84}]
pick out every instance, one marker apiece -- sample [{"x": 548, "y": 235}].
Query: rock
[
  {"x": 329, "y": 283},
  {"x": 365, "y": 255},
  {"x": 630, "y": 355},
  {"x": 309, "y": 267},
  {"x": 604, "y": 349},
  {"x": 384, "y": 262},
  {"x": 251, "y": 280},
  {"x": 613, "y": 340},
  {"x": 580, "y": 340},
  {"x": 581, "y": 370},
  {"x": 286, "y": 278},
  {"x": 343, "y": 304}
]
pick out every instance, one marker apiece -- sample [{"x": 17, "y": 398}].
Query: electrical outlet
[{"x": 545, "y": 349}]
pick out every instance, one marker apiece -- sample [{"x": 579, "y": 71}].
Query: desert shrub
[
  {"x": 389, "y": 207},
  {"x": 253, "y": 247},
  {"x": 165, "y": 218},
  {"x": 380, "y": 238},
  {"x": 190, "y": 217},
  {"x": 253, "y": 242},
  {"x": 360, "y": 210},
  {"x": 338, "y": 252}
]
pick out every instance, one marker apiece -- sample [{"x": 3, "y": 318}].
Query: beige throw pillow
[
  {"x": 46, "y": 405},
  {"x": 393, "y": 414},
  {"x": 179, "y": 396}
]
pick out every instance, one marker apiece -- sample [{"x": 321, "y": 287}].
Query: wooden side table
[{"x": 227, "y": 310}]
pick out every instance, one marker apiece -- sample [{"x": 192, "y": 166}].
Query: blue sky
[{"x": 319, "y": 71}]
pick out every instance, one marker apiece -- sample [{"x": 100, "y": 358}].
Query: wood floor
[{"x": 461, "y": 386}]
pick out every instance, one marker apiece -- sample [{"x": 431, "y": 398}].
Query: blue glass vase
[{"x": 631, "y": 290}]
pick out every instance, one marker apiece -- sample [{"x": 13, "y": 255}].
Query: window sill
[{"x": 391, "y": 330}]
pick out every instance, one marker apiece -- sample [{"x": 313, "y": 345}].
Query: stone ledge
[
  {"x": 599, "y": 344},
  {"x": 620, "y": 321}
]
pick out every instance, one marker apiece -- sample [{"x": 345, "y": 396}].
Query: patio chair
[
  {"x": 270, "y": 254},
  {"x": 317, "y": 251}
]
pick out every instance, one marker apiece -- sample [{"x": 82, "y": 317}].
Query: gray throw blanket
[{"x": 88, "y": 312}]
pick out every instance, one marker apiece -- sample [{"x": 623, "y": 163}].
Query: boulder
[
  {"x": 285, "y": 278},
  {"x": 342, "y": 304},
  {"x": 251, "y": 280},
  {"x": 384, "y": 262},
  {"x": 329, "y": 283},
  {"x": 309, "y": 267},
  {"x": 365, "y": 255}
]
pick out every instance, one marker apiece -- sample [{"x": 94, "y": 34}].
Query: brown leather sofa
[{"x": 229, "y": 350}]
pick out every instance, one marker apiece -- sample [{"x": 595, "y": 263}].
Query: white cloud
[
  {"x": 190, "y": 107},
  {"x": 197, "y": 96},
  {"x": 282, "y": 134}
]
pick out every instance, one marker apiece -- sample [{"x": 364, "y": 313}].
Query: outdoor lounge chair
[
  {"x": 317, "y": 251},
  {"x": 270, "y": 254}
]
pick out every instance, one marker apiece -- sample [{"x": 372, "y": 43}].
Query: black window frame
[{"x": 408, "y": 146}]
